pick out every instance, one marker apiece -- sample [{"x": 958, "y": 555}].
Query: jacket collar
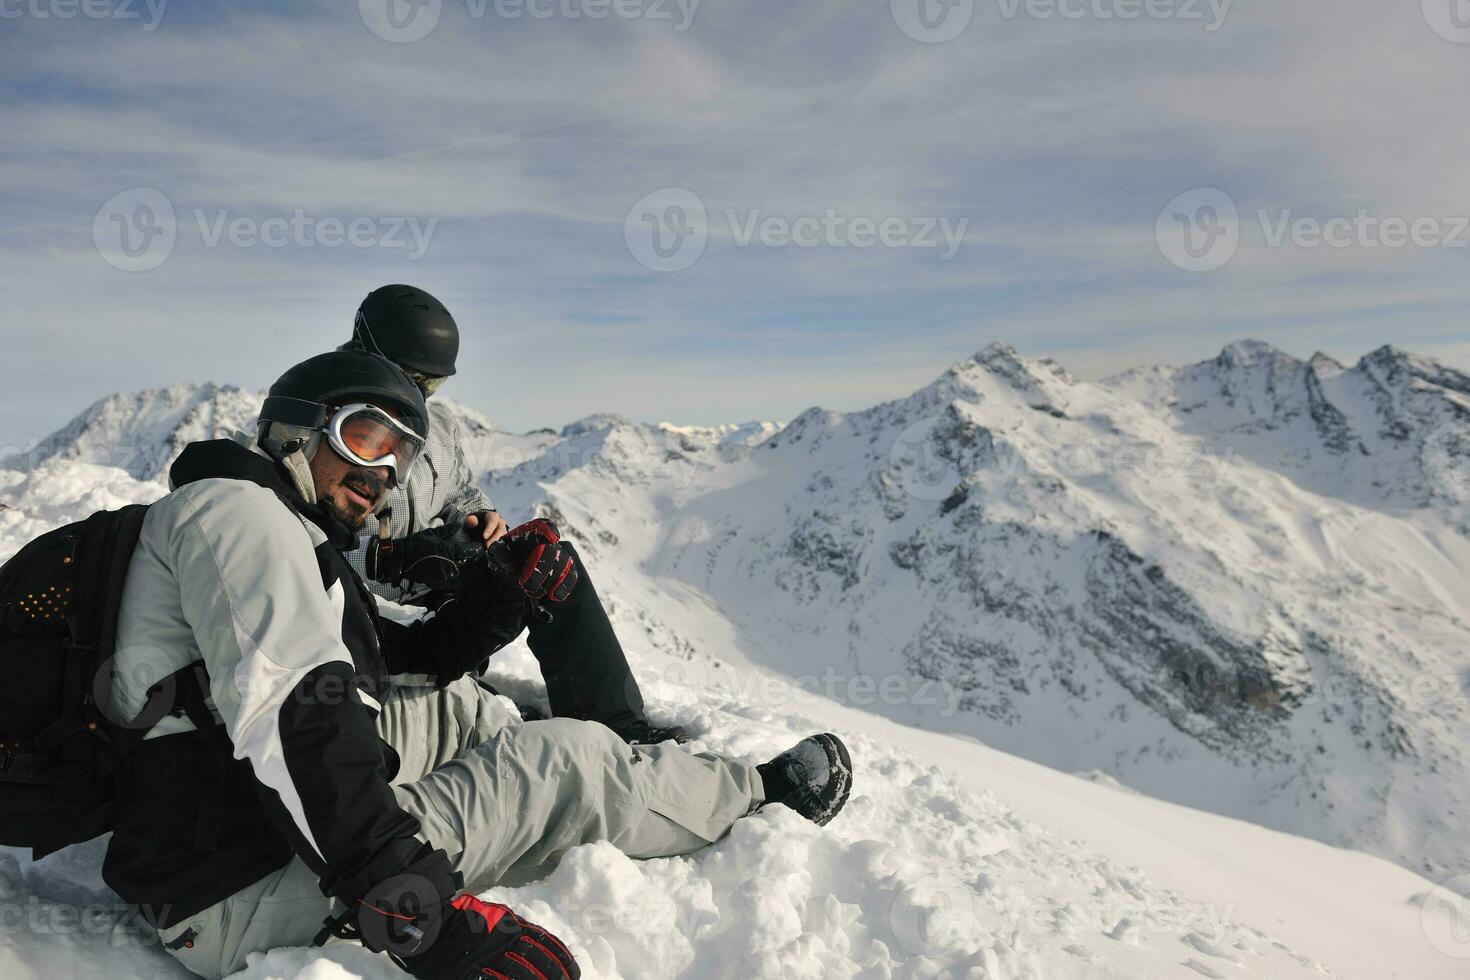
[{"x": 226, "y": 459}]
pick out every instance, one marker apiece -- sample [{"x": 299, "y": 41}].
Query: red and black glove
[
  {"x": 466, "y": 940},
  {"x": 479, "y": 940},
  {"x": 545, "y": 569}
]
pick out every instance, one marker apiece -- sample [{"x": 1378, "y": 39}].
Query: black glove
[
  {"x": 411, "y": 918},
  {"x": 429, "y": 559},
  {"x": 544, "y": 569},
  {"x": 478, "y": 939},
  {"x": 642, "y": 733}
]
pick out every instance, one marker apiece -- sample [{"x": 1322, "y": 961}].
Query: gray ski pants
[{"x": 505, "y": 799}]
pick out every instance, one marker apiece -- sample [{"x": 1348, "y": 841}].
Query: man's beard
[
  {"x": 355, "y": 515},
  {"x": 352, "y": 516}
]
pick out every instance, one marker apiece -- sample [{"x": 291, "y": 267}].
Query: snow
[
  {"x": 1237, "y": 585},
  {"x": 771, "y": 582},
  {"x": 952, "y": 860}
]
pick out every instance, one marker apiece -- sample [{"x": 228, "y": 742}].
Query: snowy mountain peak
[
  {"x": 601, "y": 422},
  {"x": 1325, "y": 366},
  {"x": 730, "y": 434},
  {"x": 809, "y": 426},
  {"x": 1396, "y": 366},
  {"x": 997, "y": 371},
  {"x": 996, "y": 348},
  {"x": 1003, "y": 361},
  {"x": 1249, "y": 354},
  {"x": 473, "y": 422},
  {"x": 143, "y": 431}
]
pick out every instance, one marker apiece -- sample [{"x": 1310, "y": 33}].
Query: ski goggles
[
  {"x": 428, "y": 383},
  {"x": 368, "y": 436}
]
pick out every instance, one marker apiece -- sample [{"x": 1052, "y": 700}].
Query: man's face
[{"x": 348, "y": 490}]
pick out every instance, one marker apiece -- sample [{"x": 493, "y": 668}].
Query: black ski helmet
[
  {"x": 306, "y": 394},
  {"x": 410, "y": 328}
]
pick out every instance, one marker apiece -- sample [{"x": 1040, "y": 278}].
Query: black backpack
[{"x": 60, "y": 740}]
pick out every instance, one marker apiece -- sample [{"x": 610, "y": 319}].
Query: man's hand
[
  {"x": 467, "y": 940},
  {"x": 428, "y": 559},
  {"x": 546, "y": 571},
  {"x": 490, "y": 525}
]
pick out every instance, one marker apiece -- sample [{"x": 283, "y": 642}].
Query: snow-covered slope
[
  {"x": 1235, "y": 585},
  {"x": 953, "y": 861}
]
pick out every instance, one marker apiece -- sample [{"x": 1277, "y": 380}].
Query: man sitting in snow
[
  {"x": 306, "y": 797},
  {"x": 586, "y": 672}
]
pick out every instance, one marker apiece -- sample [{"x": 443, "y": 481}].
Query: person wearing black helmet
[
  {"x": 440, "y": 508},
  {"x": 301, "y": 795}
]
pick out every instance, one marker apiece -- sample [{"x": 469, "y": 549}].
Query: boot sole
[{"x": 841, "y": 763}]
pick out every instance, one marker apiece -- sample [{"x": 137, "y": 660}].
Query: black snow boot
[{"x": 813, "y": 777}]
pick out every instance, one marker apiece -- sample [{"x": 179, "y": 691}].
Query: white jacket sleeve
[{"x": 270, "y": 632}]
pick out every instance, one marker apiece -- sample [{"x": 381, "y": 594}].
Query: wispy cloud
[{"x": 526, "y": 141}]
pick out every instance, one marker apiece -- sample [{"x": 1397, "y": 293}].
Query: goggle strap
[
  {"x": 364, "y": 334},
  {"x": 294, "y": 411}
]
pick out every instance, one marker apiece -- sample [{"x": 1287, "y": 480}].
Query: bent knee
[
  {"x": 590, "y": 737},
  {"x": 584, "y": 748}
]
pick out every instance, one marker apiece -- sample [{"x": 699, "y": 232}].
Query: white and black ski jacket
[{"x": 234, "y": 575}]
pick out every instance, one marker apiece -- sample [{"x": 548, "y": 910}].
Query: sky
[{"x": 705, "y": 211}]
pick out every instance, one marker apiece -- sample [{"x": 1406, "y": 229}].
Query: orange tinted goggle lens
[{"x": 367, "y": 438}]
